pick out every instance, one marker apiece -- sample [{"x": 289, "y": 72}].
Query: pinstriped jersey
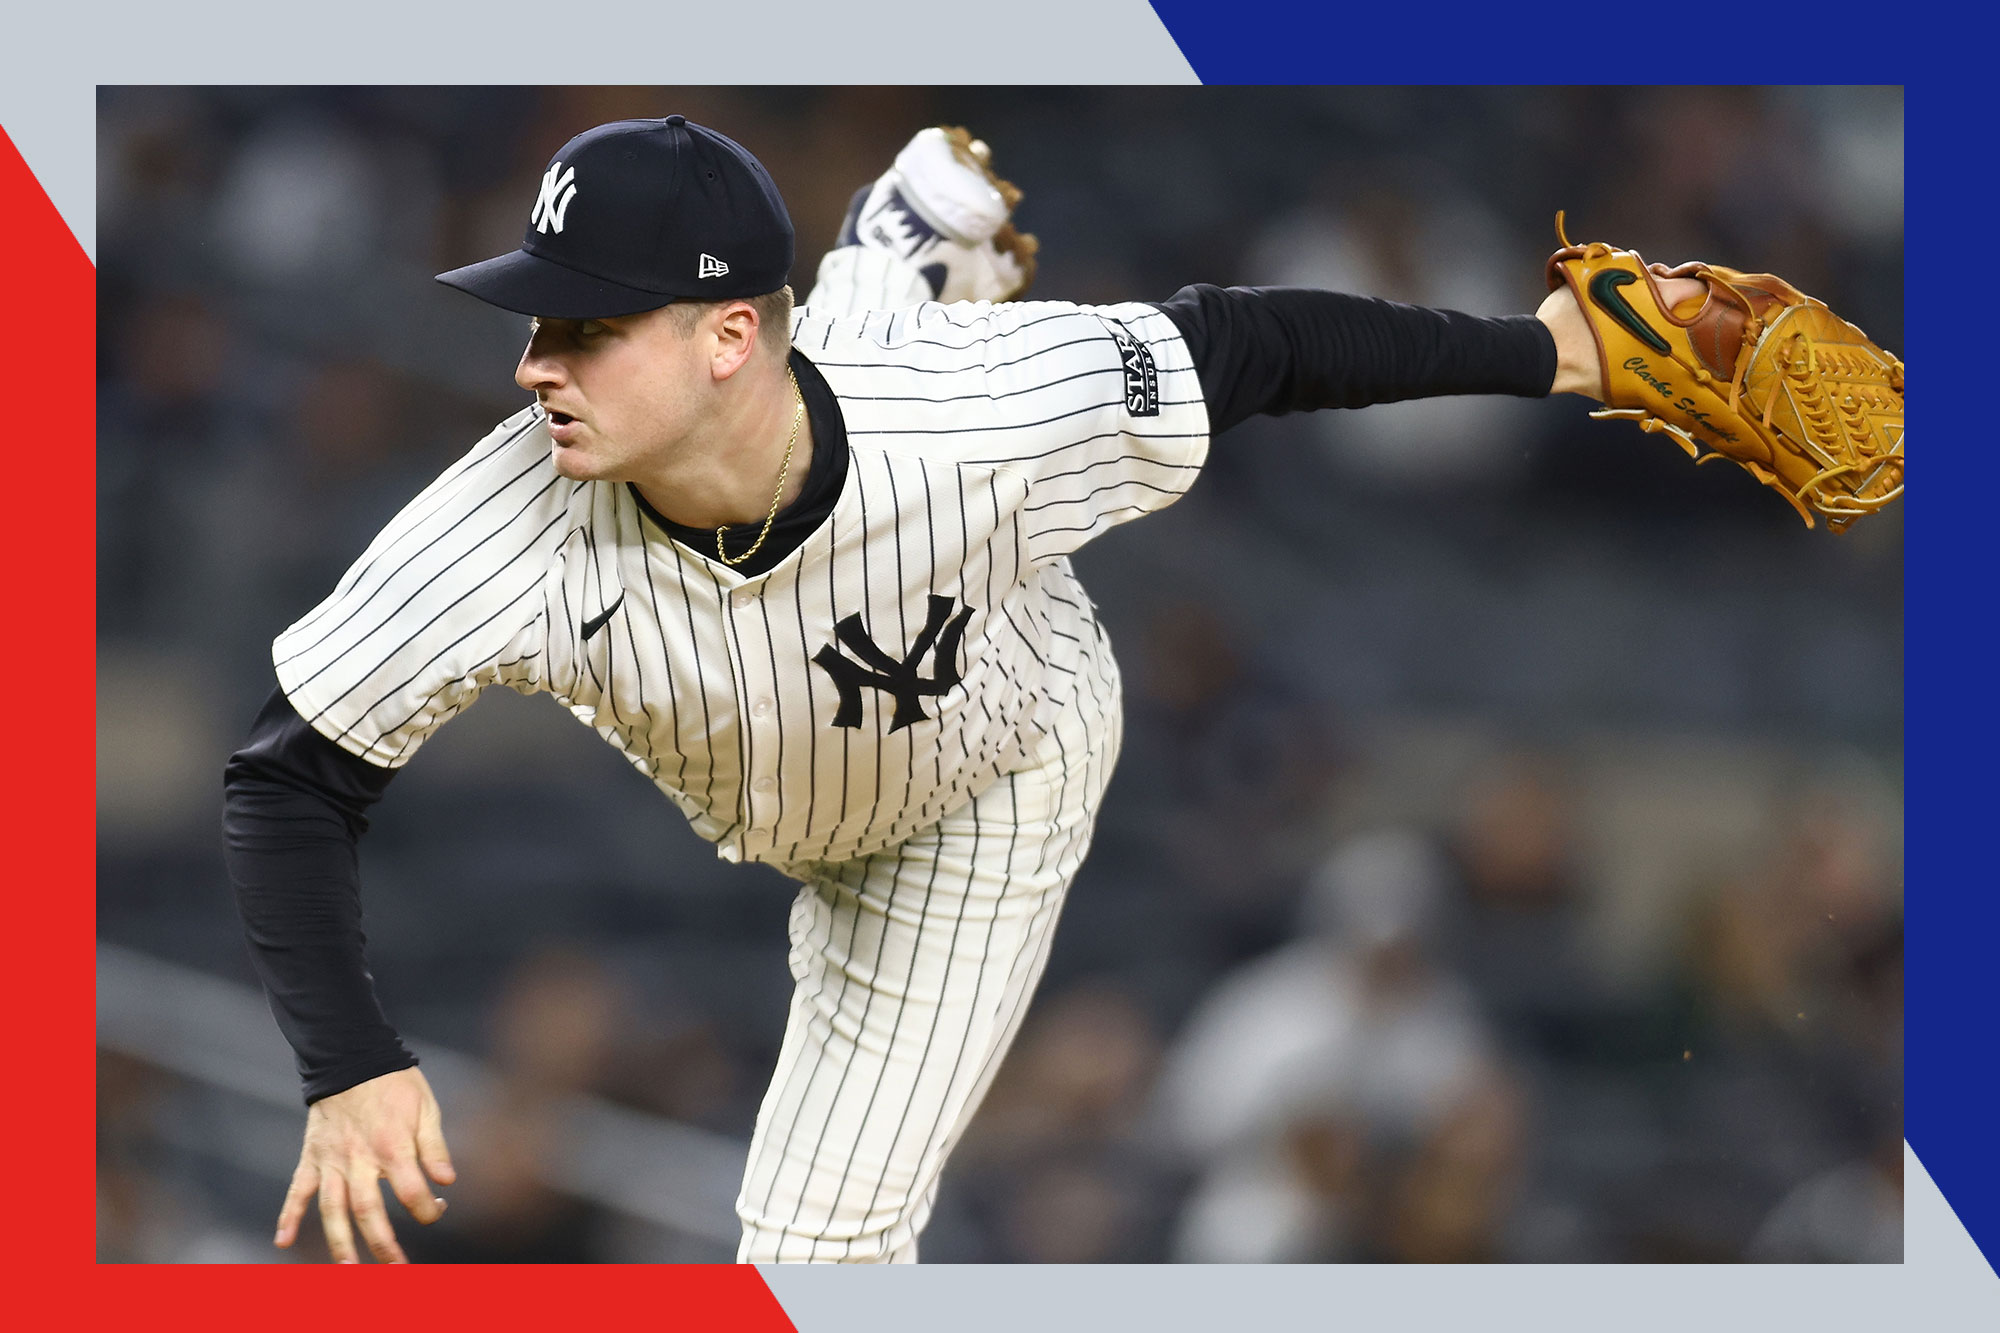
[{"x": 913, "y": 649}]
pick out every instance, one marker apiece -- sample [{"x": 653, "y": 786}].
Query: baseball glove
[{"x": 1756, "y": 372}]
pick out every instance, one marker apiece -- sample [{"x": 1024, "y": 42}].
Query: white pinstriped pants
[{"x": 913, "y": 969}]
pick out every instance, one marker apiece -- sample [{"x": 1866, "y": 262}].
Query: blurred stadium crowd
[{"x": 1505, "y": 861}]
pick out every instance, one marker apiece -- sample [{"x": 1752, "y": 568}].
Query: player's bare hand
[
  {"x": 1579, "y": 364},
  {"x": 385, "y": 1129}
]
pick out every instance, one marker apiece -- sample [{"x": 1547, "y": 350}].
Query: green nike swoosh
[{"x": 1604, "y": 290}]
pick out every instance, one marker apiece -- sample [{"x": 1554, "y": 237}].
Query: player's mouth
[{"x": 562, "y": 426}]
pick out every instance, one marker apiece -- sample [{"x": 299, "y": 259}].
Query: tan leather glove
[{"x": 1754, "y": 371}]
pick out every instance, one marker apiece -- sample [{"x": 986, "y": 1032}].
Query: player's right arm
[
  {"x": 293, "y": 814},
  {"x": 451, "y": 597}
]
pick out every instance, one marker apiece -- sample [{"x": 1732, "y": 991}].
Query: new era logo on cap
[
  {"x": 711, "y": 267},
  {"x": 558, "y": 188}
]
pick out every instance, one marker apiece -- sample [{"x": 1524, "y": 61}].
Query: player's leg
[{"x": 913, "y": 970}]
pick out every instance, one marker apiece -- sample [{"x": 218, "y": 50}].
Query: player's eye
[{"x": 592, "y": 328}]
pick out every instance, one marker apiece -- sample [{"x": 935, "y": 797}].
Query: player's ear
[{"x": 736, "y": 325}]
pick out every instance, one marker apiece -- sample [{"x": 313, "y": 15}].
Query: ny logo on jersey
[
  {"x": 558, "y": 189},
  {"x": 897, "y": 679}
]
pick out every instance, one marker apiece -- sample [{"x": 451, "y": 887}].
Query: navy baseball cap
[{"x": 638, "y": 214}]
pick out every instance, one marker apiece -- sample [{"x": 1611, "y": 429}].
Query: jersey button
[
  {"x": 741, "y": 598},
  {"x": 762, "y": 708},
  {"x": 765, "y": 784}
]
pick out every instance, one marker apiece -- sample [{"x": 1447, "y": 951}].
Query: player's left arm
[
  {"x": 1732, "y": 365},
  {"x": 1579, "y": 362},
  {"x": 1118, "y": 404},
  {"x": 1274, "y": 350}
]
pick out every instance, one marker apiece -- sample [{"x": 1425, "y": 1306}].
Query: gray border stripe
[
  {"x": 48, "y": 104},
  {"x": 1945, "y": 1286}
]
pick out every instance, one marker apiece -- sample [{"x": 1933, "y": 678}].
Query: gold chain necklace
[{"x": 798, "y": 412}]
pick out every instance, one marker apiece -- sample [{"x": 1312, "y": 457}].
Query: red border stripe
[{"x": 47, "y": 816}]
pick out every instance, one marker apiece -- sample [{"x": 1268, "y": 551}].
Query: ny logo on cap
[
  {"x": 711, "y": 267},
  {"x": 558, "y": 188}
]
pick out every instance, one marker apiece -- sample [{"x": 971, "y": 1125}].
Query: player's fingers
[
  {"x": 430, "y": 1147},
  {"x": 414, "y": 1191},
  {"x": 305, "y": 1181},
  {"x": 333, "y": 1218},
  {"x": 364, "y": 1200},
  {"x": 1683, "y": 296}
]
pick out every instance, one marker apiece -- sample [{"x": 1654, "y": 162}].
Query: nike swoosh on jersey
[{"x": 596, "y": 622}]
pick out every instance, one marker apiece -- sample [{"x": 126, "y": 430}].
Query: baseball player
[{"x": 808, "y": 570}]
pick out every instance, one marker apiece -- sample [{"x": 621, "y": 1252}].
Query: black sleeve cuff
[{"x": 346, "y": 1076}]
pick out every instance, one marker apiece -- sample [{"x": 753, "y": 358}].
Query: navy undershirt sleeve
[
  {"x": 293, "y": 813},
  {"x": 1291, "y": 349}
]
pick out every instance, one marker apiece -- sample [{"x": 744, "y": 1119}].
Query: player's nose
[{"x": 539, "y": 368}]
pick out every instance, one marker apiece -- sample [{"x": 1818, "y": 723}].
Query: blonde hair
[{"x": 774, "y": 318}]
